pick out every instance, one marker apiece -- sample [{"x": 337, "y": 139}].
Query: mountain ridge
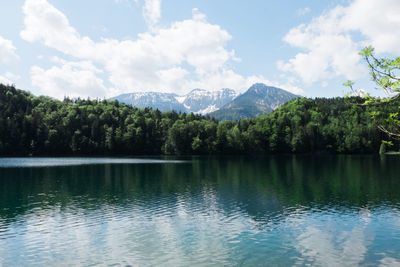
[
  {"x": 259, "y": 99},
  {"x": 199, "y": 101},
  {"x": 223, "y": 104}
]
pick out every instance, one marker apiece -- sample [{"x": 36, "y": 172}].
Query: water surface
[
  {"x": 206, "y": 211},
  {"x": 75, "y": 161}
]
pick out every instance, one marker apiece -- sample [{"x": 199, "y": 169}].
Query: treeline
[{"x": 31, "y": 125}]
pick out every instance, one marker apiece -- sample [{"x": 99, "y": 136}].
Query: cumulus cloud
[
  {"x": 71, "y": 79},
  {"x": 7, "y": 51},
  {"x": 44, "y": 23},
  {"x": 174, "y": 58},
  {"x": 329, "y": 43},
  {"x": 378, "y": 21}
]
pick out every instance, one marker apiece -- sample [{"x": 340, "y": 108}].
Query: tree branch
[{"x": 390, "y": 134}]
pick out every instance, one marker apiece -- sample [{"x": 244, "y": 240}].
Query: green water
[{"x": 232, "y": 211}]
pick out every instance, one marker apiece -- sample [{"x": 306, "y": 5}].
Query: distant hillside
[{"x": 259, "y": 99}]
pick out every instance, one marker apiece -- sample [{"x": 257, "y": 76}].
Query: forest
[{"x": 31, "y": 125}]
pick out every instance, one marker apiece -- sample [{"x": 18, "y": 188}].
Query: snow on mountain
[
  {"x": 223, "y": 104},
  {"x": 155, "y": 100},
  {"x": 180, "y": 99},
  {"x": 207, "y": 110},
  {"x": 359, "y": 93},
  {"x": 202, "y": 101},
  {"x": 198, "y": 101}
]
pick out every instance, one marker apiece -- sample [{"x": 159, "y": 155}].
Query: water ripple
[
  {"x": 195, "y": 214},
  {"x": 54, "y": 162}
]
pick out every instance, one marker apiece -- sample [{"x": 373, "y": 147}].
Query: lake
[{"x": 200, "y": 211}]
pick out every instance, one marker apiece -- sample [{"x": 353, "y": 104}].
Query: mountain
[
  {"x": 224, "y": 104},
  {"x": 202, "y": 101},
  {"x": 155, "y": 100},
  {"x": 198, "y": 101},
  {"x": 259, "y": 99}
]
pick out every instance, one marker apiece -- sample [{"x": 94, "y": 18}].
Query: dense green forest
[{"x": 31, "y": 125}]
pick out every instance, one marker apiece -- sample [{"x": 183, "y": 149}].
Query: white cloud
[
  {"x": 152, "y": 11},
  {"x": 9, "y": 78},
  {"x": 71, "y": 79},
  {"x": 44, "y": 23},
  {"x": 330, "y": 43},
  {"x": 168, "y": 59},
  {"x": 378, "y": 20},
  {"x": 7, "y": 51}
]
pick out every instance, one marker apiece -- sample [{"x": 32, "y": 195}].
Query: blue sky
[{"x": 101, "y": 48}]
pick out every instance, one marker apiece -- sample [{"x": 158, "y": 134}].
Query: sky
[{"x": 103, "y": 48}]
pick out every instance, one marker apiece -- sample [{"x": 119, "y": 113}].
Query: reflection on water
[
  {"x": 286, "y": 210},
  {"x": 53, "y": 162}
]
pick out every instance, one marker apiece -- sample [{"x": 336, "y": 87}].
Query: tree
[
  {"x": 385, "y": 72},
  {"x": 31, "y": 125}
]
